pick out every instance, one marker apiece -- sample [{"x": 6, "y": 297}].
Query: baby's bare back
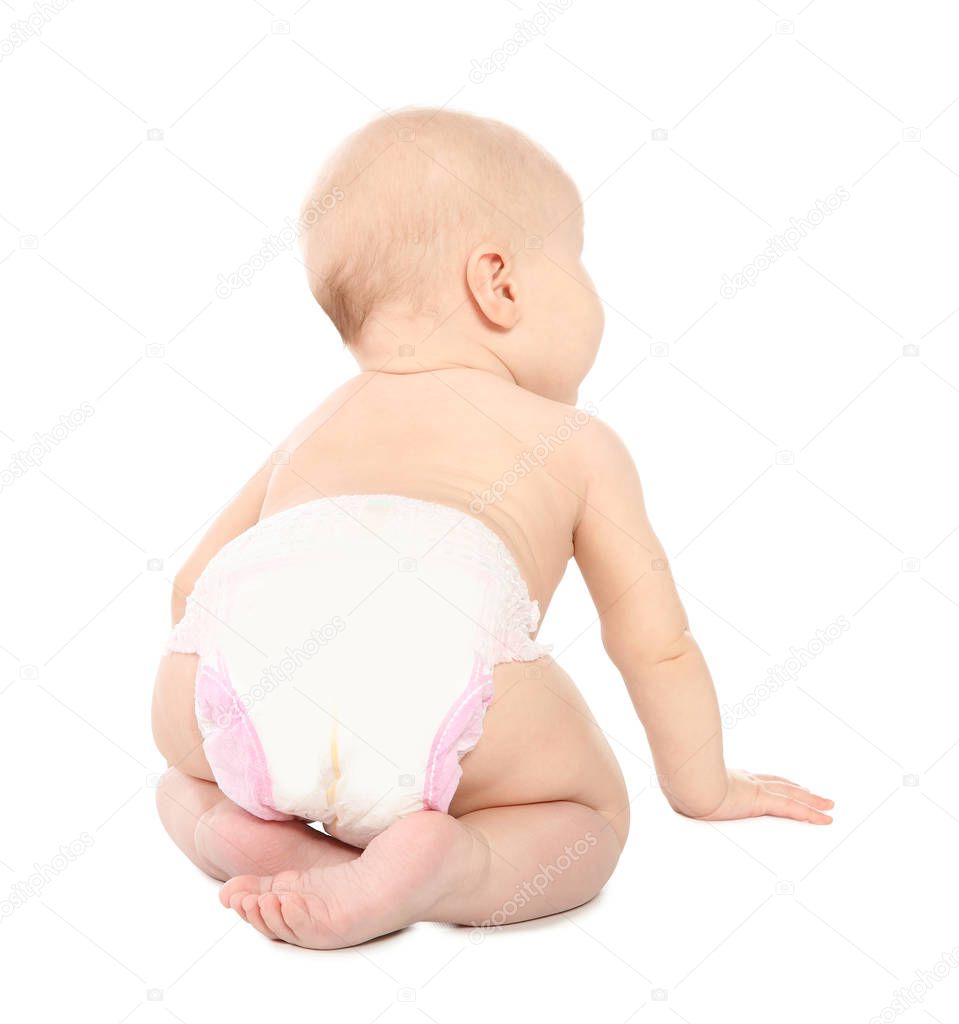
[{"x": 463, "y": 438}]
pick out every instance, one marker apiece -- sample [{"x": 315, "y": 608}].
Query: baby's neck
[{"x": 417, "y": 345}]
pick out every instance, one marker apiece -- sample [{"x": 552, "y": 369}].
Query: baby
[{"x": 354, "y": 637}]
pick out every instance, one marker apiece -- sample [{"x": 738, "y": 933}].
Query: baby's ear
[{"x": 492, "y": 284}]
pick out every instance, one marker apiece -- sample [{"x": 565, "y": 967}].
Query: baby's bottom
[{"x": 535, "y": 828}]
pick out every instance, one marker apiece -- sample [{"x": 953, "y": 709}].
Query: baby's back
[
  {"x": 463, "y": 438},
  {"x": 427, "y": 673}
]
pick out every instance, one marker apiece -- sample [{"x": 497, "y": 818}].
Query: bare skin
[
  {"x": 541, "y": 778},
  {"x": 475, "y": 409}
]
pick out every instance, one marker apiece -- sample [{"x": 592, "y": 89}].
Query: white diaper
[{"x": 346, "y": 653}]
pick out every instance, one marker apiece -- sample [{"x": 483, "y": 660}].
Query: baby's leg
[
  {"x": 224, "y": 840},
  {"x": 533, "y": 860},
  {"x": 491, "y": 866}
]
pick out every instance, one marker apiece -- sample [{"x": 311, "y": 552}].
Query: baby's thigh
[
  {"x": 540, "y": 743},
  {"x": 175, "y": 729}
]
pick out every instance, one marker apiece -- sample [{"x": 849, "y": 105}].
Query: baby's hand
[{"x": 750, "y": 796}]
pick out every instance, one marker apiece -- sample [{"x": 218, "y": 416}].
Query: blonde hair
[{"x": 400, "y": 204}]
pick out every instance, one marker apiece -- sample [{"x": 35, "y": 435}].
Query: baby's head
[{"x": 439, "y": 238}]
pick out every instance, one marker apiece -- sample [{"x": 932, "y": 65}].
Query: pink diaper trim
[
  {"x": 232, "y": 746},
  {"x": 458, "y": 733}
]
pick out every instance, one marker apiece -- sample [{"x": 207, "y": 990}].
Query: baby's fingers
[
  {"x": 781, "y": 806},
  {"x": 799, "y": 793}
]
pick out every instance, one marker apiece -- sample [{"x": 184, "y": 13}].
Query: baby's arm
[
  {"x": 646, "y": 634},
  {"x": 242, "y": 512}
]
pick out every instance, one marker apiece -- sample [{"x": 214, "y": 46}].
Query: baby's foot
[
  {"x": 237, "y": 842},
  {"x": 400, "y": 877}
]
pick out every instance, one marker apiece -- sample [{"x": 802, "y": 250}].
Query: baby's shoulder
[
  {"x": 322, "y": 413},
  {"x": 580, "y": 428},
  {"x": 574, "y": 433}
]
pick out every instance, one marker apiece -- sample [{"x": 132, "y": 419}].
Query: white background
[{"x": 112, "y": 242}]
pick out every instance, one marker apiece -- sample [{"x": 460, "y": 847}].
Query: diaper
[{"x": 346, "y": 649}]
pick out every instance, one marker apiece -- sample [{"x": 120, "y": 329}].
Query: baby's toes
[
  {"x": 297, "y": 916},
  {"x": 308, "y": 917},
  {"x": 271, "y": 911},
  {"x": 284, "y": 881},
  {"x": 243, "y": 884},
  {"x": 236, "y": 903},
  {"x": 251, "y": 911}
]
